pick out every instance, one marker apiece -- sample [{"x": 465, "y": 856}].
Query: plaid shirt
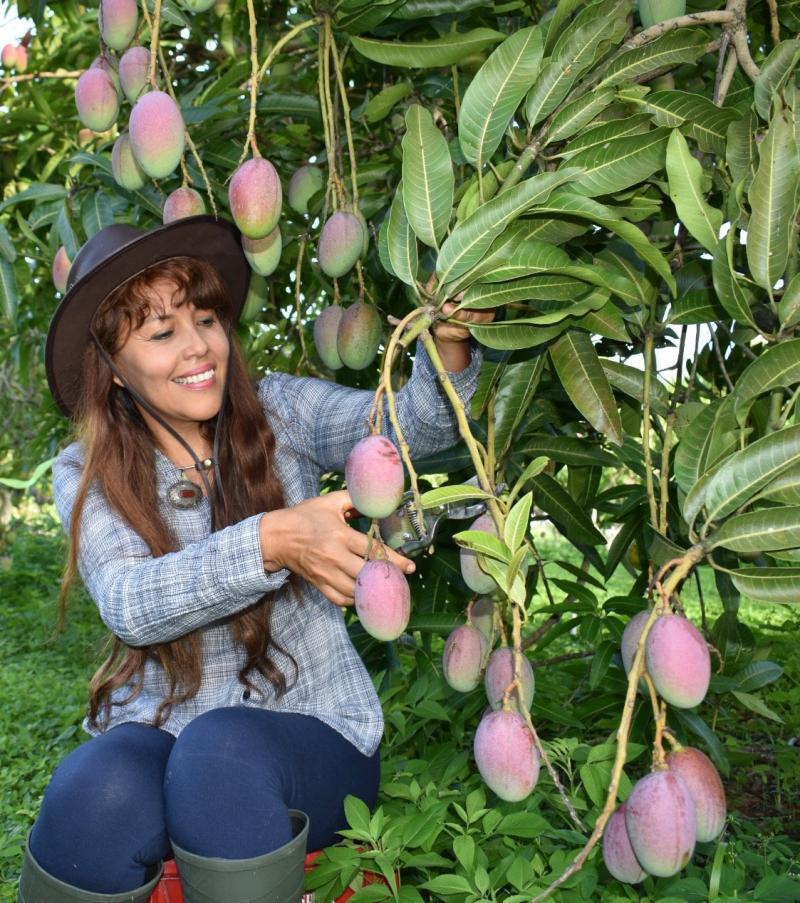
[{"x": 146, "y": 600}]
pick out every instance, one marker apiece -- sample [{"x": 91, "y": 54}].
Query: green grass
[{"x": 43, "y": 682}]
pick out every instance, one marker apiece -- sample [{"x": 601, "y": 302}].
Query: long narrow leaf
[
  {"x": 428, "y": 178},
  {"x": 685, "y": 174}
]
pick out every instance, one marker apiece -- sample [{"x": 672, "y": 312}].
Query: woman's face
[{"x": 177, "y": 359}]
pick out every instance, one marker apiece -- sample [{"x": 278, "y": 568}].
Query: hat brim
[{"x": 215, "y": 241}]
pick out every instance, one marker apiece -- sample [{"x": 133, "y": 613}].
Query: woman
[{"x": 232, "y": 715}]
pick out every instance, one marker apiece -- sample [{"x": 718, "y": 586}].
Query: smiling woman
[{"x": 232, "y": 715}]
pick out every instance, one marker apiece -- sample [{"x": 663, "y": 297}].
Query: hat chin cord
[{"x": 216, "y": 497}]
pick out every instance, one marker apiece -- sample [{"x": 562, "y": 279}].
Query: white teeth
[{"x": 197, "y": 378}]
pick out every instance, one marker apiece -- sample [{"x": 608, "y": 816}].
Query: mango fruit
[
  {"x": 124, "y": 166},
  {"x": 60, "y": 271},
  {"x": 181, "y": 203},
  {"x": 618, "y": 853},
  {"x": 660, "y": 818},
  {"x": 396, "y": 528},
  {"x": 463, "y": 656},
  {"x": 705, "y": 786},
  {"x": 255, "y": 197},
  {"x": 383, "y": 599},
  {"x": 22, "y": 58},
  {"x": 359, "y": 335},
  {"x": 500, "y": 673},
  {"x": 118, "y": 20},
  {"x": 483, "y": 615},
  {"x": 8, "y": 57},
  {"x": 264, "y": 254},
  {"x": 375, "y": 477},
  {"x": 108, "y": 62},
  {"x": 326, "y": 328},
  {"x": 651, "y": 12},
  {"x": 97, "y": 100},
  {"x": 630, "y": 638},
  {"x": 678, "y": 661},
  {"x": 341, "y": 243},
  {"x": 157, "y": 134},
  {"x": 134, "y": 66},
  {"x": 303, "y": 185},
  {"x": 475, "y": 578},
  {"x": 506, "y": 755}
]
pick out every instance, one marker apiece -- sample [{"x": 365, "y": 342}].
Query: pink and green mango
[
  {"x": 396, "y": 528},
  {"x": 506, "y": 755},
  {"x": 375, "y": 477},
  {"x": 475, "y": 578},
  {"x": 182, "y": 203},
  {"x": 341, "y": 243},
  {"x": 264, "y": 254},
  {"x": 157, "y": 134},
  {"x": 118, "y": 20},
  {"x": 60, "y": 272},
  {"x": 22, "y": 58},
  {"x": 661, "y": 821},
  {"x": 500, "y": 674},
  {"x": 255, "y": 198},
  {"x": 483, "y": 615},
  {"x": 618, "y": 853},
  {"x": 678, "y": 661},
  {"x": 630, "y": 638},
  {"x": 124, "y": 166},
  {"x": 134, "y": 67},
  {"x": 304, "y": 184},
  {"x": 97, "y": 100},
  {"x": 705, "y": 785},
  {"x": 463, "y": 657},
  {"x": 8, "y": 57},
  {"x": 359, "y": 335},
  {"x": 110, "y": 65},
  {"x": 326, "y": 329},
  {"x": 382, "y": 599}
]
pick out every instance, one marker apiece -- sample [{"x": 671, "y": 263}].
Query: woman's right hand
[{"x": 313, "y": 539}]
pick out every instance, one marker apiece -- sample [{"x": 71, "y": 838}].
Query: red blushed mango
[
  {"x": 341, "y": 243},
  {"x": 359, "y": 335},
  {"x": 255, "y": 197},
  {"x": 109, "y": 64},
  {"x": 678, "y": 661},
  {"x": 660, "y": 818},
  {"x": 303, "y": 185},
  {"x": 264, "y": 254},
  {"x": 506, "y": 756},
  {"x": 326, "y": 328},
  {"x": 630, "y": 638},
  {"x": 482, "y": 615},
  {"x": 157, "y": 134},
  {"x": 118, "y": 20},
  {"x": 124, "y": 166},
  {"x": 500, "y": 674},
  {"x": 476, "y": 579},
  {"x": 705, "y": 785},
  {"x": 462, "y": 659},
  {"x": 22, "y": 58},
  {"x": 96, "y": 99},
  {"x": 618, "y": 853},
  {"x": 382, "y": 599},
  {"x": 61, "y": 266},
  {"x": 134, "y": 66},
  {"x": 181, "y": 203},
  {"x": 374, "y": 475},
  {"x": 9, "y": 56}
]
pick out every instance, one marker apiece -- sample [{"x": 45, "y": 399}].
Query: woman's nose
[{"x": 196, "y": 343}]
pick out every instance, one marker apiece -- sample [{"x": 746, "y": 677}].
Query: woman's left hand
[{"x": 452, "y": 332}]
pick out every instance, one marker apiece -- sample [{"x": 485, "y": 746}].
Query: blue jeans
[{"x": 222, "y": 788}]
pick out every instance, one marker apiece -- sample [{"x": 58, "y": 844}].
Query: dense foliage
[{"x": 614, "y": 192}]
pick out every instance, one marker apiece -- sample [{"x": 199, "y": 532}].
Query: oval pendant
[{"x": 184, "y": 494}]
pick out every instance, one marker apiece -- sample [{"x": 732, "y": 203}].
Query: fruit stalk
[
  {"x": 155, "y": 28},
  {"x": 297, "y": 292},
  {"x": 648, "y": 453},
  {"x": 250, "y": 138},
  {"x": 351, "y": 150}
]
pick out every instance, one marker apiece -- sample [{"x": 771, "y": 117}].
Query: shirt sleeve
[
  {"x": 326, "y": 420},
  {"x": 144, "y": 599}
]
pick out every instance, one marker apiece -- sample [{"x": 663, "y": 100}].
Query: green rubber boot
[
  {"x": 37, "y": 886},
  {"x": 275, "y": 877}
]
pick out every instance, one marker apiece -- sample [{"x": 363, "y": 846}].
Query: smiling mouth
[{"x": 197, "y": 378}]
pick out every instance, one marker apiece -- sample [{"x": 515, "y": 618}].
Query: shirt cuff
[{"x": 241, "y": 545}]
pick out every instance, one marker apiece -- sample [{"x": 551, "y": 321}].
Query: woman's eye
[
  {"x": 165, "y": 334},
  {"x": 208, "y": 321}
]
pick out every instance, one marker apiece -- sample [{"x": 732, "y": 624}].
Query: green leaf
[
  {"x": 401, "y": 242},
  {"x": 421, "y": 9},
  {"x": 447, "y": 884},
  {"x": 470, "y": 240},
  {"x": 756, "y": 705},
  {"x": 509, "y": 337},
  {"x": 757, "y": 675},
  {"x": 743, "y": 474},
  {"x": 741, "y": 150},
  {"x": 495, "y": 93},
  {"x": 691, "y": 453},
  {"x": 599, "y": 135},
  {"x": 683, "y": 45},
  {"x": 40, "y": 192},
  {"x": 774, "y": 72},
  {"x": 446, "y": 495},
  {"x": 552, "y": 498},
  {"x": 768, "y": 584},
  {"x": 789, "y": 305},
  {"x": 7, "y": 248},
  {"x": 784, "y": 488},
  {"x": 9, "y": 296},
  {"x": 685, "y": 175},
  {"x": 443, "y": 51},
  {"x": 548, "y": 287},
  {"x": 620, "y": 163},
  {"x": 514, "y": 395},
  {"x": 357, "y": 814},
  {"x": 600, "y": 663},
  {"x": 574, "y": 116},
  {"x": 773, "y": 202},
  {"x": 726, "y": 283},
  {"x": 584, "y": 380},
  {"x": 528, "y": 258},
  {"x": 464, "y": 848},
  {"x": 778, "y": 366},
  {"x": 764, "y": 530},
  {"x": 567, "y": 450},
  {"x": 96, "y": 212},
  {"x": 484, "y": 544},
  {"x": 606, "y": 322},
  {"x": 518, "y": 522},
  {"x": 630, "y": 380},
  {"x": 428, "y": 178},
  {"x": 384, "y": 101}
]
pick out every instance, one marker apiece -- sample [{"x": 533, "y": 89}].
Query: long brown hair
[{"x": 116, "y": 441}]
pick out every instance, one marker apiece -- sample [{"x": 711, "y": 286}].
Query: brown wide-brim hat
[{"x": 118, "y": 253}]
